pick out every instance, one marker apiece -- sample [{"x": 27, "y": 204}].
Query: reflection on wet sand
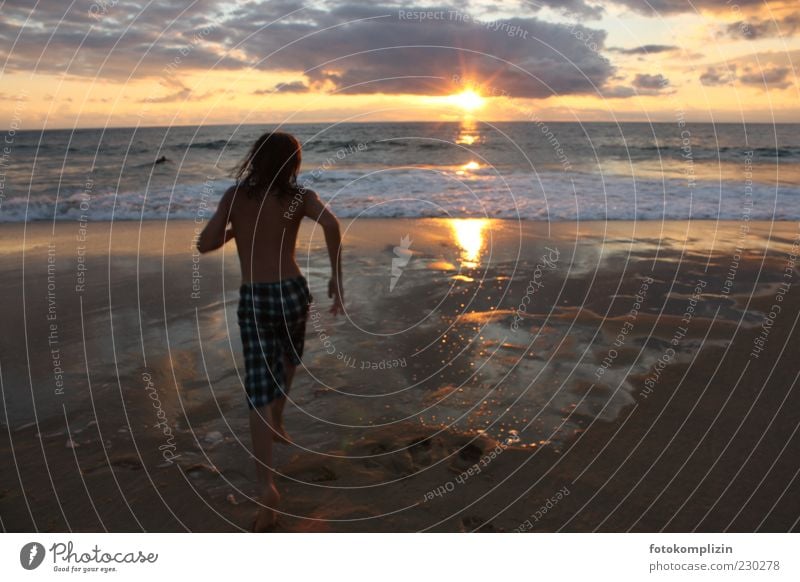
[
  {"x": 416, "y": 385},
  {"x": 544, "y": 380},
  {"x": 470, "y": 236}
]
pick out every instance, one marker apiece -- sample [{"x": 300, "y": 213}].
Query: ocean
[{"x": 511, "y": 170}]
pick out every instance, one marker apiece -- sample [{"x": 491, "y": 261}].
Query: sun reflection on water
[
  {"x": 468, "y": 167},
  {"x": 468, "y": 133}
]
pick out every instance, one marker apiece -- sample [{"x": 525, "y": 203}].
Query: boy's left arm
[{"x": 216, "y": 233}]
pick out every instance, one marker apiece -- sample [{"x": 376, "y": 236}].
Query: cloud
[
  {"x": 665, "y": 7},
  {"x": 769, "y": 77},
  {"x": 180, "y": 92},
  {"x": 180, "y": 95},
  {"x": 572, "y": 7},
  {"x": 121, "y": 41},
  {"x": 755, "y": 29},
  {"x": 647, "y": 49},
  {"x": 716, "y": 76},
  {"x": 293, "y": 87},
  {"x": 618, "y": 92},
  {"x": 642, "y": 85},
  {"x": 183, "y": 93},
  {"x": 768, "y": 69},
  {"x": 337, "y": 45},
  {"x": 378, "y": 49},
  {"x": 650, "y": 82},
  {"x": 763, "y": 59}
]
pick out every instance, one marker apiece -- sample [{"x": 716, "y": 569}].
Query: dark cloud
[
  {"x": 377, "y": 49},
  {"x": 762, "y": 60},
  {"x": 118, "y": 40},
  {"x": 618, "y": 92},
  {"x": 755, "y": 28},
  {"x": 650, "y": 82},
  {"x": 772, "y": 77},
  {"x": 653, "y": 7},
  {"x": 642, "y": 85},
  {"x": 647, "y": 49},
  {"x": 338, "y": 45},
  {"x": 768, "y": 69},
  {"x": 571, "y": 7},
  {"x": 716, "y": 76},
  {"x": 293, "y": 87}
]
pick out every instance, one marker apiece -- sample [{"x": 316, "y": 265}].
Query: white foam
[{"x": 442, "y": 192}]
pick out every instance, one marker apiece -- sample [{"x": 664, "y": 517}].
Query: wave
[
  {"x": 430, "y": 192},
  {"x": 787, "y": 152},
  {"x": 216, "y": 144},
  {"x": 317, "y": 145},
  {"x": 431, "y": 150},
  {"x": 332, "y": 145},
  {"x": 724, "y": 153}
]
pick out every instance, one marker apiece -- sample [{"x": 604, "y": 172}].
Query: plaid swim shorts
[{"x": 272, "y": 321}]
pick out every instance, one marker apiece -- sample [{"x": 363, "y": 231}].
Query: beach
[{"x": 489, "y": 375}]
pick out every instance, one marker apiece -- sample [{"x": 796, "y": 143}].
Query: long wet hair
[{"x": 271, "y": 165}]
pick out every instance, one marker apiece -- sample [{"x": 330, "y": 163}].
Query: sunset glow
[
  {"x": 468, "y": 100},
  {"x": 610, "y": 60}
]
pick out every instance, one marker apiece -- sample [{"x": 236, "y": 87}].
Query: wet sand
[{"x": 489, "y": 376}]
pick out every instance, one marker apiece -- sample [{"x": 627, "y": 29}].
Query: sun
[{"x": 467, "y": 100}]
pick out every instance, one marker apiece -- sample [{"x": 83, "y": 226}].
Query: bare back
[{"x": 265, "y": 230}]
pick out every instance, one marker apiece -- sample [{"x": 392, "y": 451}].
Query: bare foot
[{"x": 266, "y": 519}]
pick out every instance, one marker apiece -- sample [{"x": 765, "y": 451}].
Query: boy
[{"x": 264, "y": 209}]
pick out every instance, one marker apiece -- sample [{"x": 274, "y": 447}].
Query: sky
[{"x": 100, "y": 63}]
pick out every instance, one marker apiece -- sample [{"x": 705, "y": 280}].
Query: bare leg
[
  {"x": 262, "y": 437},
  {"x": 278, "y": 404}
]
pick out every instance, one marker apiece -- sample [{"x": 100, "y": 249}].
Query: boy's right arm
[{"x": 316, "y": 210}]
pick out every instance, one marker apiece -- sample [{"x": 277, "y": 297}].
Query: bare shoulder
[
  {"x": 309, "y": 194},
  {"x": 319, "y": 211},
  {"x": 229, "y": 196},
  {"x": 312, "y": 205}
]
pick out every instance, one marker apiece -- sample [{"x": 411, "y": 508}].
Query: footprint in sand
[
  {"x": 397, "y": 463},
  {"x": 197, "y": 469},
  {"x": 420, "y": 450},
  {"x": 467, "y": 456},
  {"x": 323, "y": 474},
  {"x": 378, "y": 450},
  {"x": 129, "y": 462},
  {"x": 315, "y": 474}
]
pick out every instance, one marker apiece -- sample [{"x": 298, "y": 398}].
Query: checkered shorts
[{"x": 272, "y": 321}]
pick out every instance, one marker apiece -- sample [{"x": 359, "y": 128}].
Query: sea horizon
[
  {"x": 412, "y": 121},
  {"x": 534, "y": 170}
]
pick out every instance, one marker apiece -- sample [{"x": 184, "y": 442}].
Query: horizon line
[{"x": 593, "y": 122}]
